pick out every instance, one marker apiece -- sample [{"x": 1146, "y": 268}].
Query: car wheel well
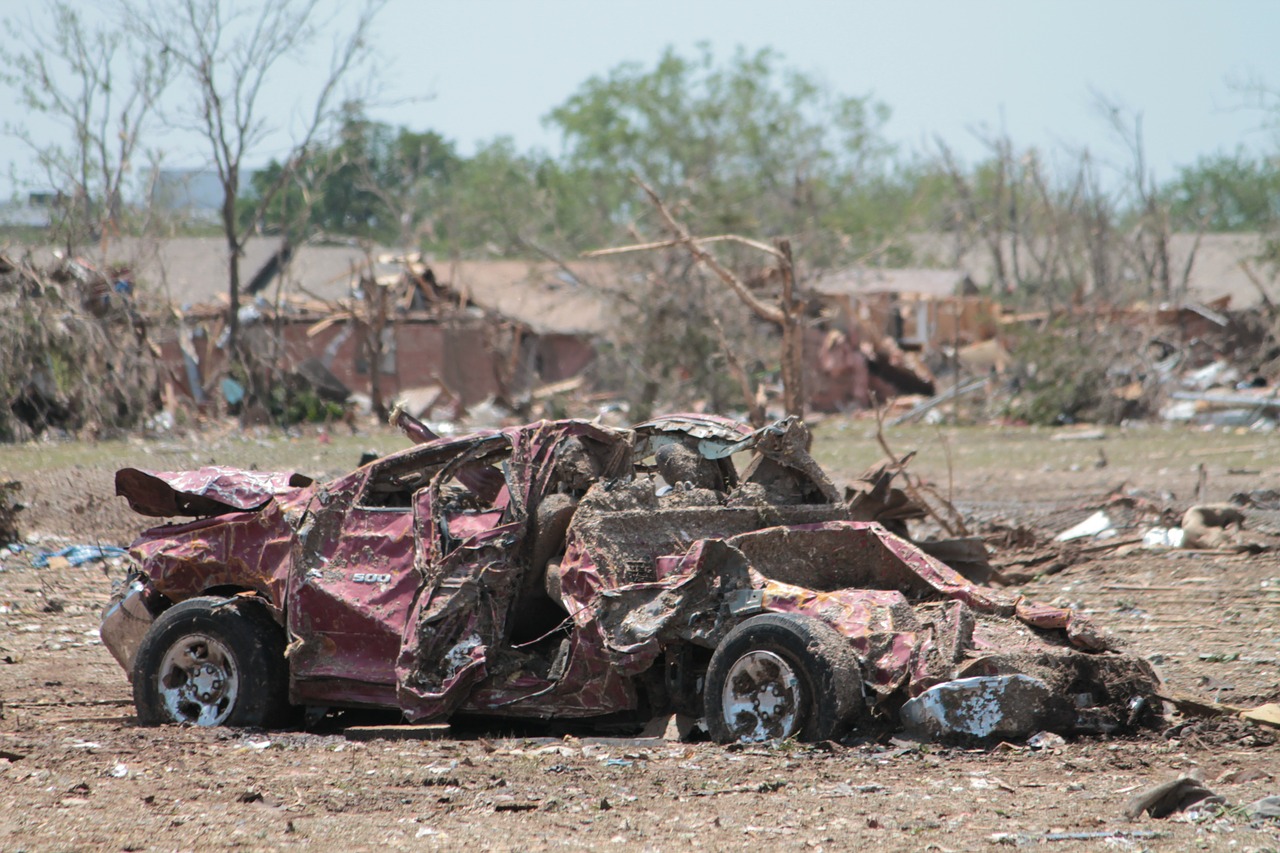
[
  {"x": 227, "y": 590},
  {"x": 212, "y": 661},
  {"x": 234, "y": 590}
]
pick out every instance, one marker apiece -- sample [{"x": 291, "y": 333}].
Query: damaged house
[
  {"x": 382, "y": 327},
  {"x": 886, "y": 332}
]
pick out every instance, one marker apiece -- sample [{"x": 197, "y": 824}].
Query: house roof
[
  {"x": 192, "y": 271},
  {"x": 853, "y": 281},
  {"x": 543, "y": 296},
  {"x": 1216, "y": 270}
]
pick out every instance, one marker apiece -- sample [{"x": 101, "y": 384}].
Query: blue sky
[{"x": 475, "y": 69}]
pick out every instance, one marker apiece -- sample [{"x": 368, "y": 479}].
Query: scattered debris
[
  {"x": 1108, "y": 836},
  {"x": 1268, "y": 714},
  {"x": 1046, "y": 740},
  {"x": 1097, "y": 526},
  {"x": 1199, "y": 707},
  {"x": 1241, "y": 776},
  {"x": 1267, "y": 807},
  {"x": 1163, "y": 537},
  {"x": 1087, "y": 434},
  {"x": 1170, "y": 797},
  {"x": 1212, "y": 526},
  {"x": 958, "y": 390},
  {"x": 78, "y": 555},
  {"x": 79, "y": 355}
]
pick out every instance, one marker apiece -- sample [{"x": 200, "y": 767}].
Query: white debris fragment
[
  {"x": 1098, "y": 525},
  {"x": 1163, "y": 537},
  {"x": 1046, "y": 740},
  {"x": 1005, "y": 706}
]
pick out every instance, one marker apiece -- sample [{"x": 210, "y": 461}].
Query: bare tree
[
  {"x": 1257, "y": 96},
  {"x": 979, "y": 217},
  {"x": 785, "y": 313},
  {"x": 74, "y": 73},
  {"x": 230, "y": 53},
  {"x": 1151, "y": 238}
]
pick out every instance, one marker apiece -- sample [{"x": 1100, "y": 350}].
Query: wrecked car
[{"x": 567, "y": 570}]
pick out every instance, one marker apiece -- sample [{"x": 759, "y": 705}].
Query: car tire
[
  {"x": 212, "y": 662},
  {"x": 779, "y": 676}
]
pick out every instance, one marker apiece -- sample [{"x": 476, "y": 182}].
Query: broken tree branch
[
  {"x": 755, "y": 400},
  {"x": 916, "y": 490},
  {"x": 1256, "y": 281},
  {"x": 763, "y": 310},
  {"x": 785, "y": 314},
  {"x": 670, "y": 244}
]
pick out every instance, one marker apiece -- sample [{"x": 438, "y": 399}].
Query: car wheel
[
  {"x": 781, "y": 675},
  {"x": 212, "y": 662}
]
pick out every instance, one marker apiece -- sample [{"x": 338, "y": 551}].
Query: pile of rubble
[
  {"x": 78, "y": 356},
  {"x": 1203, "y": 364}
]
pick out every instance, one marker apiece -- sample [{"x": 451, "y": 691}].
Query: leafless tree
[
  {"x": 231, "y": 52},
  {"x": 75, "y": 72},
  {"x": 982, "y": 216},
  {"x": 1150, "y": 240},
  {"x": 785, "y": 312}
]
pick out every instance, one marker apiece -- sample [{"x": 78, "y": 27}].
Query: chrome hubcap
[
  {"x": 198, "y": 681},
  {"x": 761, "y": 698}
]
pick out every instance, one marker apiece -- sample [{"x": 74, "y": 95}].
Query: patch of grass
[
  {"x": 845, "y": 448},
  {"x": 271, "y": 451}
]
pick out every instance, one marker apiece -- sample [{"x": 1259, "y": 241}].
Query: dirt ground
[{"x": 76, "y": 773}]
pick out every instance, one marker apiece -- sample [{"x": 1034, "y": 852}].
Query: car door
[
  {"x": 353, "y": 582},
  {"x": 468, "y": 533}
]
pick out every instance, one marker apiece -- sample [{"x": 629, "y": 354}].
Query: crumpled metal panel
[
  {"x": 909, "y": 635},
  {"x": 212, "y": 490},
  {"x": 595, "y": 675},
  {"x": 457, "y": 627},
  {"x": 698, "y": 426},
  {"x": 349, "y": 598},
  {"x": 897, "y": 648},
  {"x": 242, "y": 550},
  {"x": 718, "y": 437},
  {"x": 880, "y": 625}
]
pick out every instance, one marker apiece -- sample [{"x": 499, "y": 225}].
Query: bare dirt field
[{"x": 76, "y": 773}]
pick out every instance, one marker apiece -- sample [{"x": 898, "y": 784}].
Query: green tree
[
  {"x": 376, "y": 182},
  {"x": 505, "y": 203},
  {"x": 748, "y": 146},
  {"x": 1226, "y": 192}
]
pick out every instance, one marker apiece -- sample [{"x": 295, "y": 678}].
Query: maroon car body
[{"x": 568, "y": 570}]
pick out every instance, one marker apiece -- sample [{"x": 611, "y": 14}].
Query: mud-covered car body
[{"x": 568, "y": 570}]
